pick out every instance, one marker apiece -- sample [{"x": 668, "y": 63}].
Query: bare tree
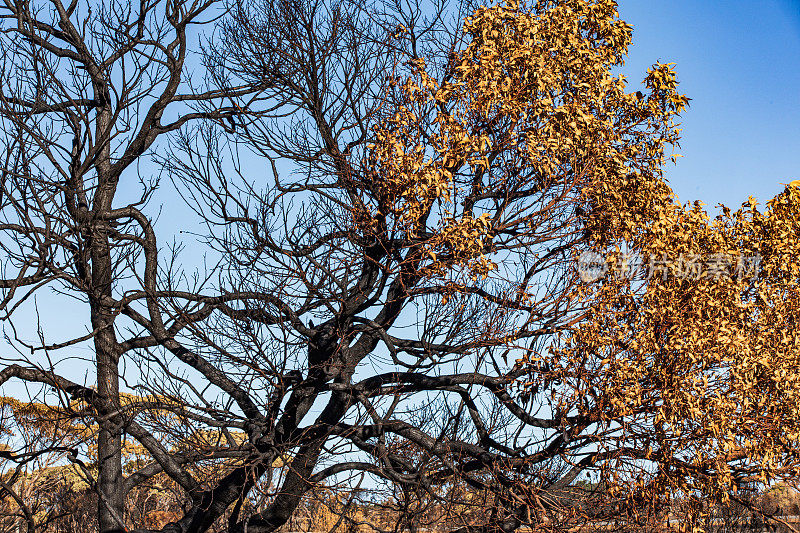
[
  {"x": 86, "y": 90},
  {"x": 388, "y": 254},
  {"x": 380, "y": 354}
]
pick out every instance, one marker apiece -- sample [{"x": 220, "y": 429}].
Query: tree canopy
[{"x": 393, "y": 200}]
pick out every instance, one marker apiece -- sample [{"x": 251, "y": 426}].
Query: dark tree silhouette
[{"x": 388, "y": 205}]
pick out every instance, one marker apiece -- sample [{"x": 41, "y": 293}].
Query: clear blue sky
[{"x": 739, "y": 61}]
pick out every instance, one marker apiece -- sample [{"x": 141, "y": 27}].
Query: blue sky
[{"x": 739, "y": 61}]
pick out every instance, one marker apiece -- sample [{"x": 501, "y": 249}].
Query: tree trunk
[{"x": 111, "y": 500}]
